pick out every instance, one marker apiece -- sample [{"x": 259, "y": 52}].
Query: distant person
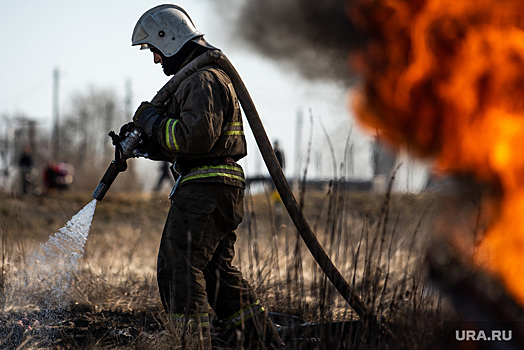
[
  {"x": 26, "y": 165},
  {"x": 280, "y": 155},
  {"x": 57, "y": 177},
  {"x": 275, "y": 196},
  {"x": 165, "y": 175}
]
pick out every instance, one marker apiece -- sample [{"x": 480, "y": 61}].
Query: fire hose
[
  {"x": 273, "y": 166},
  {"x": 282, "y": 186}
]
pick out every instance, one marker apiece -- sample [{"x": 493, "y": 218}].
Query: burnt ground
[
  {"x": 81, "y": 329},
  {"x": 77, "y": 329}
]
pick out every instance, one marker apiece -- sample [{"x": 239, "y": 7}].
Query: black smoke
[{"x": 313, "y": 36}]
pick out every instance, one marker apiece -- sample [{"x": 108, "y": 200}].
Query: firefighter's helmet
[{"x": 167, "y": 28}]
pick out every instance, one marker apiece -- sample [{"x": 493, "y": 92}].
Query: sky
[{"x": 89, "y": 42}]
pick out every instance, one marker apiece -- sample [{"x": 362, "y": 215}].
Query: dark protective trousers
[{"x": 195, "y": 259}]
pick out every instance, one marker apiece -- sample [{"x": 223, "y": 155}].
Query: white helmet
[{"x": 167, "y": 28}]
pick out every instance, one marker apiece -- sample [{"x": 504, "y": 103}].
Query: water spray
[{"x": 43, "y": 286}]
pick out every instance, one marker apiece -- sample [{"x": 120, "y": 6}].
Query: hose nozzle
[
  {"x": 100, "y": 191},
  {"x": 104, "y": 184},
  {"x": 125, "y": 147}
]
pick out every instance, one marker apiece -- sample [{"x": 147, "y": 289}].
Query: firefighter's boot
[{"x": 252, "y": 331}]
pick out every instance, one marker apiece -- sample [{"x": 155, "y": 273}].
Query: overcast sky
[{"x": 89, "y": 42}]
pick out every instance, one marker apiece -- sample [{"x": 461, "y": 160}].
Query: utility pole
[
  {"x": 56, "y": 125},
  {"x": 128, "y": 100},
  {"x": 31, "y": 132},
  {"x": 128, "y": 114},
  {"x": 6, "y": 151},
  {"x": 258, "y": 164},
  {"x": 298, "y": 146}
]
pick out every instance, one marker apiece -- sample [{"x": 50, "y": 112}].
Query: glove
[
  {"x": 147, "y": 118},
  {"x": 152, "y": 149},
  {"x": 148, "y": 145},
  {"x": 125, "y": 128}
]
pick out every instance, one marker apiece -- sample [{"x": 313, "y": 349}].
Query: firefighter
[
  {"x": 200, "y": 128},
  {"x": 26, "y": 165}
]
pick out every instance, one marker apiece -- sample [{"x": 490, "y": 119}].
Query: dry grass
[{"x": 377, "y": 242}]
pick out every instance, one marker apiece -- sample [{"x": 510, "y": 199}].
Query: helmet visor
[{"x": 139, "y": 33}]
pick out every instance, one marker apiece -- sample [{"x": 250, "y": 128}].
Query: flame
[{"x": 446, "y": 78}]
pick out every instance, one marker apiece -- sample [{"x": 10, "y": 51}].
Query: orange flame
[{"x": 446, "y": 78}]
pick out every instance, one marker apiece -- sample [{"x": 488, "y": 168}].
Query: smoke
[{"x": 314, "y": 37}]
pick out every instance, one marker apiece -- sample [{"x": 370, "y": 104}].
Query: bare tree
[
  {"x": 84, "y": 132},
  {"x": 85, "y": 144}
]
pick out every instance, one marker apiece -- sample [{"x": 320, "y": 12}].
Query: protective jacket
[{"x": 203, "y": 129}]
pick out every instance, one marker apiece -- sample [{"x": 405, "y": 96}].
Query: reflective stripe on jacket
[{"x": 231, "y": 174}]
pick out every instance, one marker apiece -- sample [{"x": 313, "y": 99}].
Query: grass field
[{"x": 378, "y": 242}]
